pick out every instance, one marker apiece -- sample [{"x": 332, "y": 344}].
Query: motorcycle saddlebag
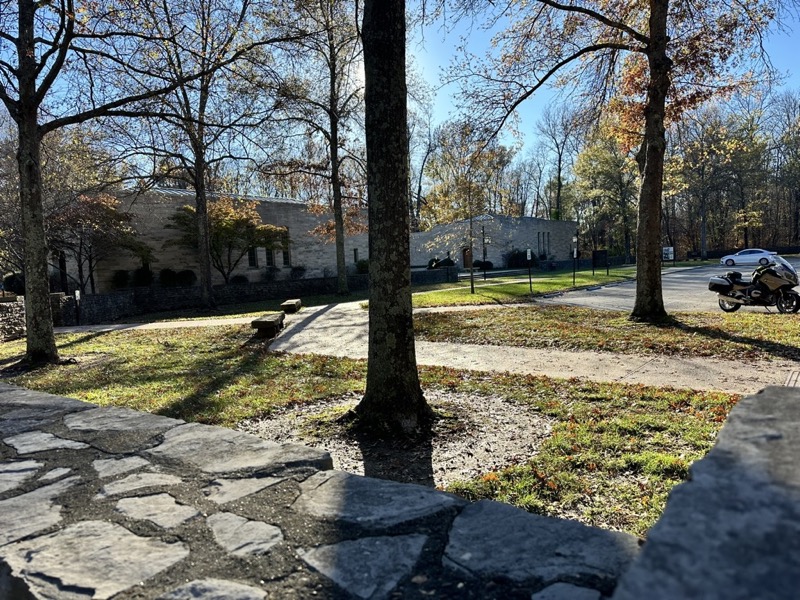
[{"x": 719, "y": 285}]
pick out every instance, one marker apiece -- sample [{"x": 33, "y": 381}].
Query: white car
[{"x": 751, "y": 256}]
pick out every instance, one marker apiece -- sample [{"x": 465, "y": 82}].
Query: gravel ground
[{"x": 478, "y": 434}]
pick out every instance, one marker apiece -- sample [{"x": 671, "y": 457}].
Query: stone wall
[
  {"x": 12, "y": 320},
  {"x": 152, "y": 210},
  {"x": 502, "y": 234},
  {"x": 107, "y": 308},
  {"x": 181, "y": 510}
]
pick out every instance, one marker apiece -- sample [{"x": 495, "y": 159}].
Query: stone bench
[
  {"x": 291, "y": 306},
  {"x": 268, "y": 326}
]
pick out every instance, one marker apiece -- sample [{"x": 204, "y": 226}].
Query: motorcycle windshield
[{"x": 790, "y": 270}]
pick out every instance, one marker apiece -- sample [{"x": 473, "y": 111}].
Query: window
[
  {"x": 270, "y": 257},
  {"x": 252, "y": 257},
  {"x": 355, "y": 255},
  {"x": 287, "y": 262}
]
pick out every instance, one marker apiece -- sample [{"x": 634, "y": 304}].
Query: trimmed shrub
[
  {"x": 445, "y": 262},
  {"x": 518, "y": 259},
  {"x": 142, "y": 277},
  {"x": 168, "y": 278},
  {"x": 362, "y": 266},
  {"x": 120, "y": 279},
  {"x": 14, "y": 283},
  {"x": 270, "y": 273},
  {"x": 185, "y": 278},
  {"x": 239, "y": 280}
]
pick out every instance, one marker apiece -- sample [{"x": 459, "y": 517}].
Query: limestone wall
[
  {"x": 501, "y": 234},
  {"x": 12, "y": 320},
  {"x": 309, "y": 255}
]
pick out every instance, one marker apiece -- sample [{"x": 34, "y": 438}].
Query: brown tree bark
[
  {"x": 649, "y": 304},
  {"x": 41, "y": 347},
  {"x": 393, "y": 403}
]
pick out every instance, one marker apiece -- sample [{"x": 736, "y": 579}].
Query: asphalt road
[{"x": 683, "y": 289}]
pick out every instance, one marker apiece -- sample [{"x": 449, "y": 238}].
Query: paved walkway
[{"x": 341, "y": 330}]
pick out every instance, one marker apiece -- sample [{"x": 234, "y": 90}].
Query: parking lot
[{"x": 685, "y": 289}]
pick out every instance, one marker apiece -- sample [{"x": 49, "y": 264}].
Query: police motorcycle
[{"x": 769, "y": 285}]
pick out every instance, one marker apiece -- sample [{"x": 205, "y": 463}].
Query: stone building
[
  {"x": 307, "y": 254},
  {"x": 493, "y": 238}
]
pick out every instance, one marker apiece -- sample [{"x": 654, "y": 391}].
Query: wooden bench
[
  {"x": 268, "y": 326},
  {"x": 291, "y": 306}
]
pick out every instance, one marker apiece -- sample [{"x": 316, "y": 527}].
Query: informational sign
[
  {"x": 529, "y": 254},
  {"x": 668, "y": 253}
]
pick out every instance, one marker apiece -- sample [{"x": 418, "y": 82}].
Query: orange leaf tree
[{"x": 648, "y": 60}]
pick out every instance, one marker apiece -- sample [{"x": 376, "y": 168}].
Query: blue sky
[{"x": 434, "y": 48}]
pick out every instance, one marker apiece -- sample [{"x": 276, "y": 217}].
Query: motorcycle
[{"x": 769, "y": 285}]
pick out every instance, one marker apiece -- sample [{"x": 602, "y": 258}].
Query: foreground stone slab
[
  {"x": 215, "y": 589},
  {"x": 91, "y": 559},
  {"x": 39, "y": 441},
  {"x": 223, "y": 491},
  {"x": 243, "y": 537},
  {"x": 161, "y": 509},
  {"x": 371, "y": 503},
  {"x": 137, "y": 481},
  {"x": 114, "y": 418},
  {"x": 13, "y": 474},
  {"x": 370, "y": 567},
  {"x": 109, "y": 467},
  {"x": 732, "y": 531},
  {"x": 217, "y": 450},
  {"x": 33, "y": 512},
  {"x": 488, "y": 538}
]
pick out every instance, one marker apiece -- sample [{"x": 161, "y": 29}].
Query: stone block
[{"x": 291, "y": 306}]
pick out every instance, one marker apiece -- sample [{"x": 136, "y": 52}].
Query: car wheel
[
  {"x": 729, "y": 306},
  {"x": 763, "y": 261},
  {"x": 730, "y": 262}
]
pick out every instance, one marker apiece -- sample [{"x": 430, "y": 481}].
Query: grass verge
[
  {"x": 732, "y": 336},
  {"x": 614, "y": 453}
]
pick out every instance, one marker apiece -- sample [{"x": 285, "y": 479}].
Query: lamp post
[{"x": 574, "y": 257}]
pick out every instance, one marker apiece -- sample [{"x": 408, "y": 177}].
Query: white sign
[
  {"x": 529, "y": 253},
  {"x": 667, "y": 253}
]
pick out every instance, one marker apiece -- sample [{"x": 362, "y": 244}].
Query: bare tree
[
  {"x": 60, "y": 64},
  {"x": 323, "y": 94},
  {"x": 393, "y": 403}
]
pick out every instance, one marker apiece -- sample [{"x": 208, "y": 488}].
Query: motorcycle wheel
[
  {"x": 787, "y": 303},
  {"x": 729, "y": 306}
]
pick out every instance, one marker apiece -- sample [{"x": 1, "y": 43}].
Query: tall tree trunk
[
  {"x": 393, "y": 402},
  {"x": 41, "y": 344},
  {"x": 203, "y": 229},
  {"x": 649, "y": 305},
  {"x": 336, "y": 182}
]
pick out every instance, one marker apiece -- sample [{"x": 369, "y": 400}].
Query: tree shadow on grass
[
  {"x": 776, "y": 349},
  {"x": 203, "y": 402}
]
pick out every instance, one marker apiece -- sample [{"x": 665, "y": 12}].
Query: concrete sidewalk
[{"x": 341, "y": 330}]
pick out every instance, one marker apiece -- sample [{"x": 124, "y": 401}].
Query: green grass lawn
[
  {"x": 732, "y": 336},
  {"x": 614, "y": 453},
  {"x": 507, "y": 290}
]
